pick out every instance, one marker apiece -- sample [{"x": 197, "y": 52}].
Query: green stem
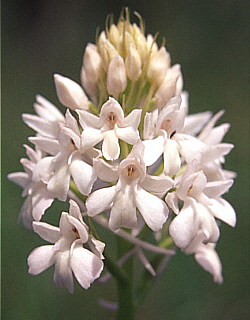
[{"x": 126, "y": 309}]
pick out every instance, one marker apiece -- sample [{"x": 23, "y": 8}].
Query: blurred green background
[{"x": 210, "y": 39}]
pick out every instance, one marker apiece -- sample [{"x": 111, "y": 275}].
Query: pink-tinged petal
[
  {"x": 81, "y": 229},
  {"x": 209, "y": 260},
  {"x": 20, "y": 178},
  {"x": 100, "y": 200},
  {"x": 25, "y": 215},
  {"x": 208, "y": 224},
  {"x": 190, "y": 149},
  {"x": 172, "y": 201},
  {"x": 209, "y": 126},
  {"x": 96, "y": 246},
  {"x": 157, "y": 184},
  {"x": 217, "y": 134},
  {"x": 85, "y": 265},
  {"x": 128, "y": 134},
  {"x": 59, "y": 183},
  {"x": 217, "y": 188},
  {"x": 42, "y": 171},
  {"x": 45, "y": 109},
  {"x": 153, "y": 210},
  {"x": 47, "y": 231},
  {"x": 215, "y": 152},
  {"x": 133, "y": 119},
  {"x": 150, "y": 120},
  {"x": 51, "y": 146},
  {"x": 63, "y": 275},
  {"x": 195, "y": 122},
  {"x": 110, "y": 146},
  {"x": 198, "y": 185},
  {"x": 88, "y": 120},
  {"x": 74, "y": 210},
  {"x": 34, "y": 155},
  {"x": 41, "y": 200},
  {"x": 40, "y": 125},
  {"x": 172, "y": 161},
  {"x": 66, "y": 230},
  {"x": 82, "y": 173},
  {"x": 90, "y": 137},
  {"x": 41, "y": 259},
  {"x": 185, "y": 225},
  {"x": 70, "y": 93},
  {"x": 112, "y": 105},
  {"x": 223, "y": 210},
  {"x": 105, "y": 171},
  {"x": 27, "y": 165},
  {"x": 153, "y": 150},
  {"x": 186, "y": 184},
  {"x": 71, "y": 122},
  {"x": 123, "y": 212}
]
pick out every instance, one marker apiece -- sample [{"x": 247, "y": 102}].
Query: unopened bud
[
  {"x": 70, "y": 93},
  {"x": 158, "y": 66},
  {"x": 116, "y": 76},
  {"x": 88, "y": 86},
  {"x": 133, "y": 63},
  {"x": 141, "y": 46},
  {"x": 125, "y": 41},
  {"x": 92, "y": 63},
  {"x": 152, "y": 45},
  {"x": 171, "y": 86},
  {"x": 114, "y": 35},
  {"x": 106, "y": 50}
]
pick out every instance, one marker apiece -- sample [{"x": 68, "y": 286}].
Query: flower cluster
[{"x": 128, "y": 149}]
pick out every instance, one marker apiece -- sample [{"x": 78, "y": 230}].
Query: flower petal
[
  {"x": 70, "y": 93},
  {"x": 185, "y": 225},
  {"x": 208, "y": 258},
  {"x": 223, "y": 210},
  {"x": 153, "y": 210},
  {"x": 83, "y": 174},
  {"x": 63, "y": 275},
  {"x": 41, "y": 259},
  {"x": 128, "y": 134},
  {"x": 100, "y": 200},
  {"x": 153, "y": 150},
  {"x": 80, "y": 227},
  {"x": 90, "y": 137},
  {"x": 157, "y": 184},
  {"x": 172, "y": 161},
  {"x": 42, "y": 126},
  {"x": 47, "y": 231},
  {"x": 123, "y": 212},
  {"x": 110, "y": 146},
  {"x": 20, "y": 178},
  {"x": 86, "y": 266},
  {"x": 59, "y": 183},
  {"x": 105, "y": 171},
  {"x": 51, "y": 146},
  {"x": 217, "y": 188}
]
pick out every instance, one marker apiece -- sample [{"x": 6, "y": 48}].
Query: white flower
[
  {"x": 67, "y": 160},
  {"x": 130, "y": 193},
  {"x": 206, "y": 256},
  {"x": 38, "y": 197},
  {"x": 47, "y": 121},
  {"x": 67, "y": 252},
  {"x": 164, "y": 128},
  {"x": 202, "y": 204},
  {"x": 116, "y": 76},
  {"x": 109, "y": 127},
  {"x": 70, "y": 93},
  {"x": 171, "y": 86}
]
